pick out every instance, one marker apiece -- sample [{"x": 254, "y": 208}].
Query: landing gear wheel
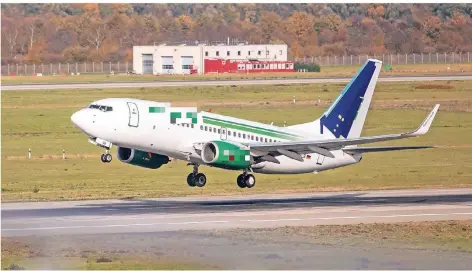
[
  {"x": 250, "y": 180},
  {"x": 107, "y": 157},
  {"x": 240, "y": 181},
  {"x": 200, "y": 180},
  {"x": 191, "y": 179},
  {"x": 102, "y": 157}
]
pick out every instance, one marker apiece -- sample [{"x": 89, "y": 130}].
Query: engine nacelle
[
  {"x": 141, "y": 158},
  {"x": 228, "y": 155}
]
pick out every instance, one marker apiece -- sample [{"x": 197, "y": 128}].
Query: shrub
[{"x": 308, "y": 67}]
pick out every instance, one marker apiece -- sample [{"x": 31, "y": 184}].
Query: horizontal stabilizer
[{"x": 382, "y": 149}]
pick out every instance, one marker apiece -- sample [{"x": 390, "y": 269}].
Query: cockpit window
[{"x": 103, "y": 108}]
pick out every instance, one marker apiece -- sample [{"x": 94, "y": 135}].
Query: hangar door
[
  {"x": 147, "y": 63},
  {"x": 187, "y": 63},
  {"x": 167, "y": 64}
]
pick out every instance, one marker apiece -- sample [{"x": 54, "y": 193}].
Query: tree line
[{"x": 41, "y": 33}]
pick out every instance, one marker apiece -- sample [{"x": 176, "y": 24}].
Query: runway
[
  {"x": 225, "y": 82},
  {"x": 251, "y": 211}
]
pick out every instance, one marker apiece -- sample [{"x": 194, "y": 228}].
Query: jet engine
[
  {"x": 224, "y": 154},
  {"x": 141, "y": 158}
]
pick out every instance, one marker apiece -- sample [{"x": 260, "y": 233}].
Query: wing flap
[{"x": 383, "y": 149}]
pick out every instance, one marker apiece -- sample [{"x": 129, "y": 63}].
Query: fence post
[
  {"x": 359, "y": 59},
  {"x": 437, "y": 57},
  {"x": 34, "y": 68},
  {"x": 8, "y": 69},
  {"x": 468, "y": 56},
  {"x": 85, "y": 67},
  {"x": 50, "y": 68},
  {"x": 93, "y": 66},
  {"x": 383, "y": 57},
  {"x": 351, "y": 59},
  {"x": 102, "y": 66},
  {"x": 68, "y": 69},
  {"x": 453, "y": 57},
  {"x": 127, "y": 66},
  {"x": 460, "y": 57},
  {"x": 76, "y": 67},
  {"x": 445, "y": 58},
  {"x": 118, "y": 66},
  {"x": 60, "y": 70},
  {"x": 414, "y": 59},
  {"x": 25, "y": 69},
  {"x": 312, "y": 62},
  {"x": 343, "y": 60},
  {"x": 42, "y": 68},
  {"x": 422, "y": 58}
]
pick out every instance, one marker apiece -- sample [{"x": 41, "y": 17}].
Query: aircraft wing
[{"x": 293, "y": 149}]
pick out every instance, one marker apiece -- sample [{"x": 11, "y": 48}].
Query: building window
[
  {"x": 217, "y": 53},
  {"x": 227, "y": 53},
  {"x": 186, "y": 67},
  {"x": 267, "y": 52},
  {"x": 206, "y": 53},
  {"x": 239, "y": 53},
  {"x": 147, "y": 63},
  {"x": 167, "y": 67},
  {"x": 280, "y": 52},
  {"x": 259, "y": 52},
  {"x": 286, "y": 66},
  {"x": 248, "y": 53}
]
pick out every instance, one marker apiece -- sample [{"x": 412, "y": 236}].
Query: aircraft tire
[
  {"x": 250, "y": 181},
  {"x": 107, "y": 157},
  {"x": 240, "y": 181},
  {"x": 191, "y": 180},
  {"x": 102, "y": 157},
  {"x": 200, "y": 180}
]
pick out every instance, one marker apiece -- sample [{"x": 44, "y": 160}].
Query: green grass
[
  {"x": 329, "y": 71},
  {"x": 41, "y": 120}
]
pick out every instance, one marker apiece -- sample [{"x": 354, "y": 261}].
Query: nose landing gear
[
  {"x": 106, "y": 157},
  {"x": 246, "y": 180},
  {"x": 195, "y": 178}
]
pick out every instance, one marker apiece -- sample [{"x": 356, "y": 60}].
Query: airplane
[{"x": 149, "y": 134}]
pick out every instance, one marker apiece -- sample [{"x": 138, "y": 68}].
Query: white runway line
[{"x": 235, "y": 221}]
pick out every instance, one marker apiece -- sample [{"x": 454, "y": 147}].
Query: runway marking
[{"x": 235, "y": 221}]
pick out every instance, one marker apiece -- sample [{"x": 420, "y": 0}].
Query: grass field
[
  {"x": 40, "y": 120},
  {"x": 330, "y": 71}
]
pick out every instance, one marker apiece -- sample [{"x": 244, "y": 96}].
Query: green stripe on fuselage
[{"x": 249, "y": 128}]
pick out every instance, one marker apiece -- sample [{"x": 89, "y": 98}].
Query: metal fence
[
  {"x": 125, "y": 67},
  {"x": 67, "y": 68},
  {"x": 392, "y": 59}
]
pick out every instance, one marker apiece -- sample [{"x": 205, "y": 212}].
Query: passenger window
[
  {"x": 265, "y": 139},
  {"x": 244, "y": 136},
  {"x": 219, "y": 131},
  {"x": 192, "y": 125},
  {"x": 201, "y": 127},
  {"x": 209, "y": 129},
  {"x": 252, "y": 137},
  {"x": 239, "y": 134},
  {"x": 224, "y": 131},
  {"x": 206, "y": 128}
]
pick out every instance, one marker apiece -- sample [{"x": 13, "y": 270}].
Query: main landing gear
[
  {"x": 246, "y": 180},
  {"x": 195, "y": 178}
]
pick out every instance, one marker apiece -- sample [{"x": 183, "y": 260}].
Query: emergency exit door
[{"x": 133, "y": 115}]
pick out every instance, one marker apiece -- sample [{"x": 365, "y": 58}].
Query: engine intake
[
  {"x": 225, "y": 154},
  {"x": 141, "y": 158}
]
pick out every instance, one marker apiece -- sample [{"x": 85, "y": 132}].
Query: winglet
[{"x": 424, "y": 127}]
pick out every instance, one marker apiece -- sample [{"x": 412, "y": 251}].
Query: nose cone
[{"x": 78, "y": 119}]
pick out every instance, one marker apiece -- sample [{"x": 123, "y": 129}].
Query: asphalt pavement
[
  {"x": 224, "y": 82},
  {"x": 228, "y": 212}
]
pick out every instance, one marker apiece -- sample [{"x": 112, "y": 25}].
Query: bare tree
[
  {"x": 11, "y": 37},
  {"x": 97, "y": 36}
]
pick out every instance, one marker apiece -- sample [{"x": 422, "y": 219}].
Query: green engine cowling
[
  {"x": 141, "y": 158},
  {"x": 228, "y": 155}
]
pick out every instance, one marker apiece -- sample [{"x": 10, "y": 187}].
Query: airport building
[{"x": 201, "y": 58}]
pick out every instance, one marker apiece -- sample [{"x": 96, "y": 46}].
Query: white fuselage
[{"x": 131, "y": 124}]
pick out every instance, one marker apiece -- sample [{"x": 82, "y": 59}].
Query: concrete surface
[
  {"x": 254, "y": 211},
  {"x": 224, "y": 82}
]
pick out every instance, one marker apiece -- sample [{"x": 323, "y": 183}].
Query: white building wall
[
  {"x": 199, "y": 53},
  {"x": 243, "y": 52}
]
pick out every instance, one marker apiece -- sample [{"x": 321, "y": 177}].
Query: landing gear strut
[
  {"x": 195, "y": 178},
  {"x": 106, "y": 157},
  {"x": 246, "y": 180}
]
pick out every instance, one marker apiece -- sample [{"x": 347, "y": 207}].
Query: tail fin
[{"x": 346, "y": 116}]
